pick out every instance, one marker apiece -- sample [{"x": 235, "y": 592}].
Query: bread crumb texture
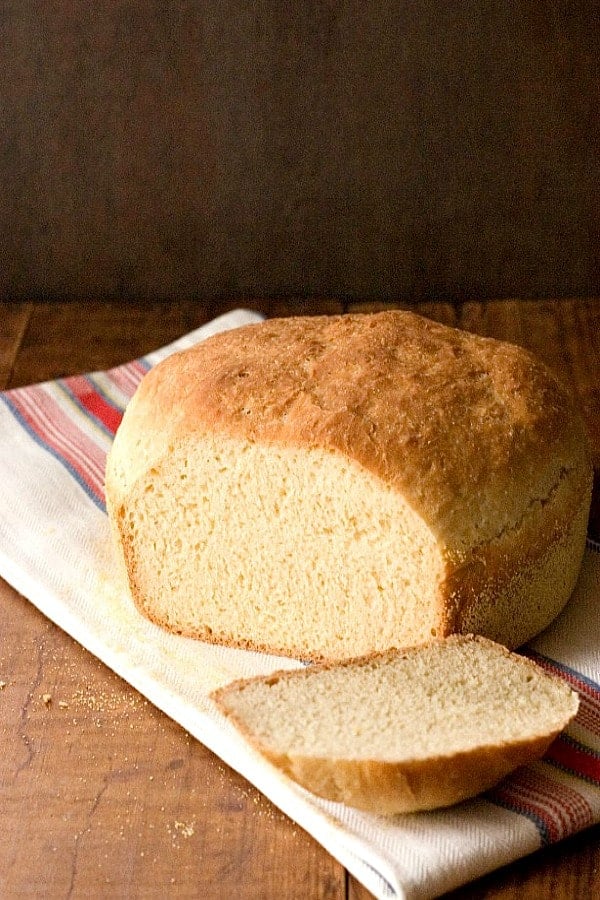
[
  {"x": 330, "y": 486},
  {"x": 404, "y": 730}
]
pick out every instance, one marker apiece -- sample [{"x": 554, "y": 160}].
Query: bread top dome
[{"x": 471, "y": 431}]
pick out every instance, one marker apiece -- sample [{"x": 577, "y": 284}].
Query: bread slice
[
  {"x": 403, "y": 730},
  {"x": 332, "y": 486}
]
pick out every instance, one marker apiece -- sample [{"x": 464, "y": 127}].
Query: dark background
[{"x": 378, "y": 150}]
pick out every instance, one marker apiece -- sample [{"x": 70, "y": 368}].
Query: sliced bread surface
[{"x": 402, "y": 731}]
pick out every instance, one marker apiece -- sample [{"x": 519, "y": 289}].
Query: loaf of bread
[
  {"x": 404, "y": 730},
  {"x": 332, "y": 486}
]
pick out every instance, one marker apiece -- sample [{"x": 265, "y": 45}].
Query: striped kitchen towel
[{"x": 55, "y": 549}]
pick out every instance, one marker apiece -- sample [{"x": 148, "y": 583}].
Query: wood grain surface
[
  {"x": 358, "y": 149},
  {"x": 101, "y": 795}
]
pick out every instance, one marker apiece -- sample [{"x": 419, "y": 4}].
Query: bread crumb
[
  {"x": 47, "y": 699},
  {"x": 2, "y": 685},
  {"x": 63, "y": 704},
  {"x": 184, "y": 829},
  {"x": 180, "y": 829}
]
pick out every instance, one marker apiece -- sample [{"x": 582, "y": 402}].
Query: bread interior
[
  {"x": 432, "y": 701},
  {"x": 298, "y": 551}
]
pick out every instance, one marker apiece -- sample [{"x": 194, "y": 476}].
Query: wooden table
[{"x": 101, "y": 795}]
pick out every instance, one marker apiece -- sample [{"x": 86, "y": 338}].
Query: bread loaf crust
[
  {"x": 388, "y": 788},
  {"x": 476, "y": 435}
]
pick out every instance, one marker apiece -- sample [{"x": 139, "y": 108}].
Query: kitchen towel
[{"x": 55, "y": 550}]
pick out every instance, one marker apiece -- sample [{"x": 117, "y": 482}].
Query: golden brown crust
[
  {"x": 390, "y": 788},
  {"x": 467, "y": 428},
  {"x": 487, "y": 592}
]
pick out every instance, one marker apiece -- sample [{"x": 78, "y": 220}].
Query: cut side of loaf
[
  {"x": 332, "y": 486},
  {"x": 406, "y": 730}
]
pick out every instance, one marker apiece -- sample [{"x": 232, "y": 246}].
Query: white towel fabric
[{"x": 55, "y": 550}]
